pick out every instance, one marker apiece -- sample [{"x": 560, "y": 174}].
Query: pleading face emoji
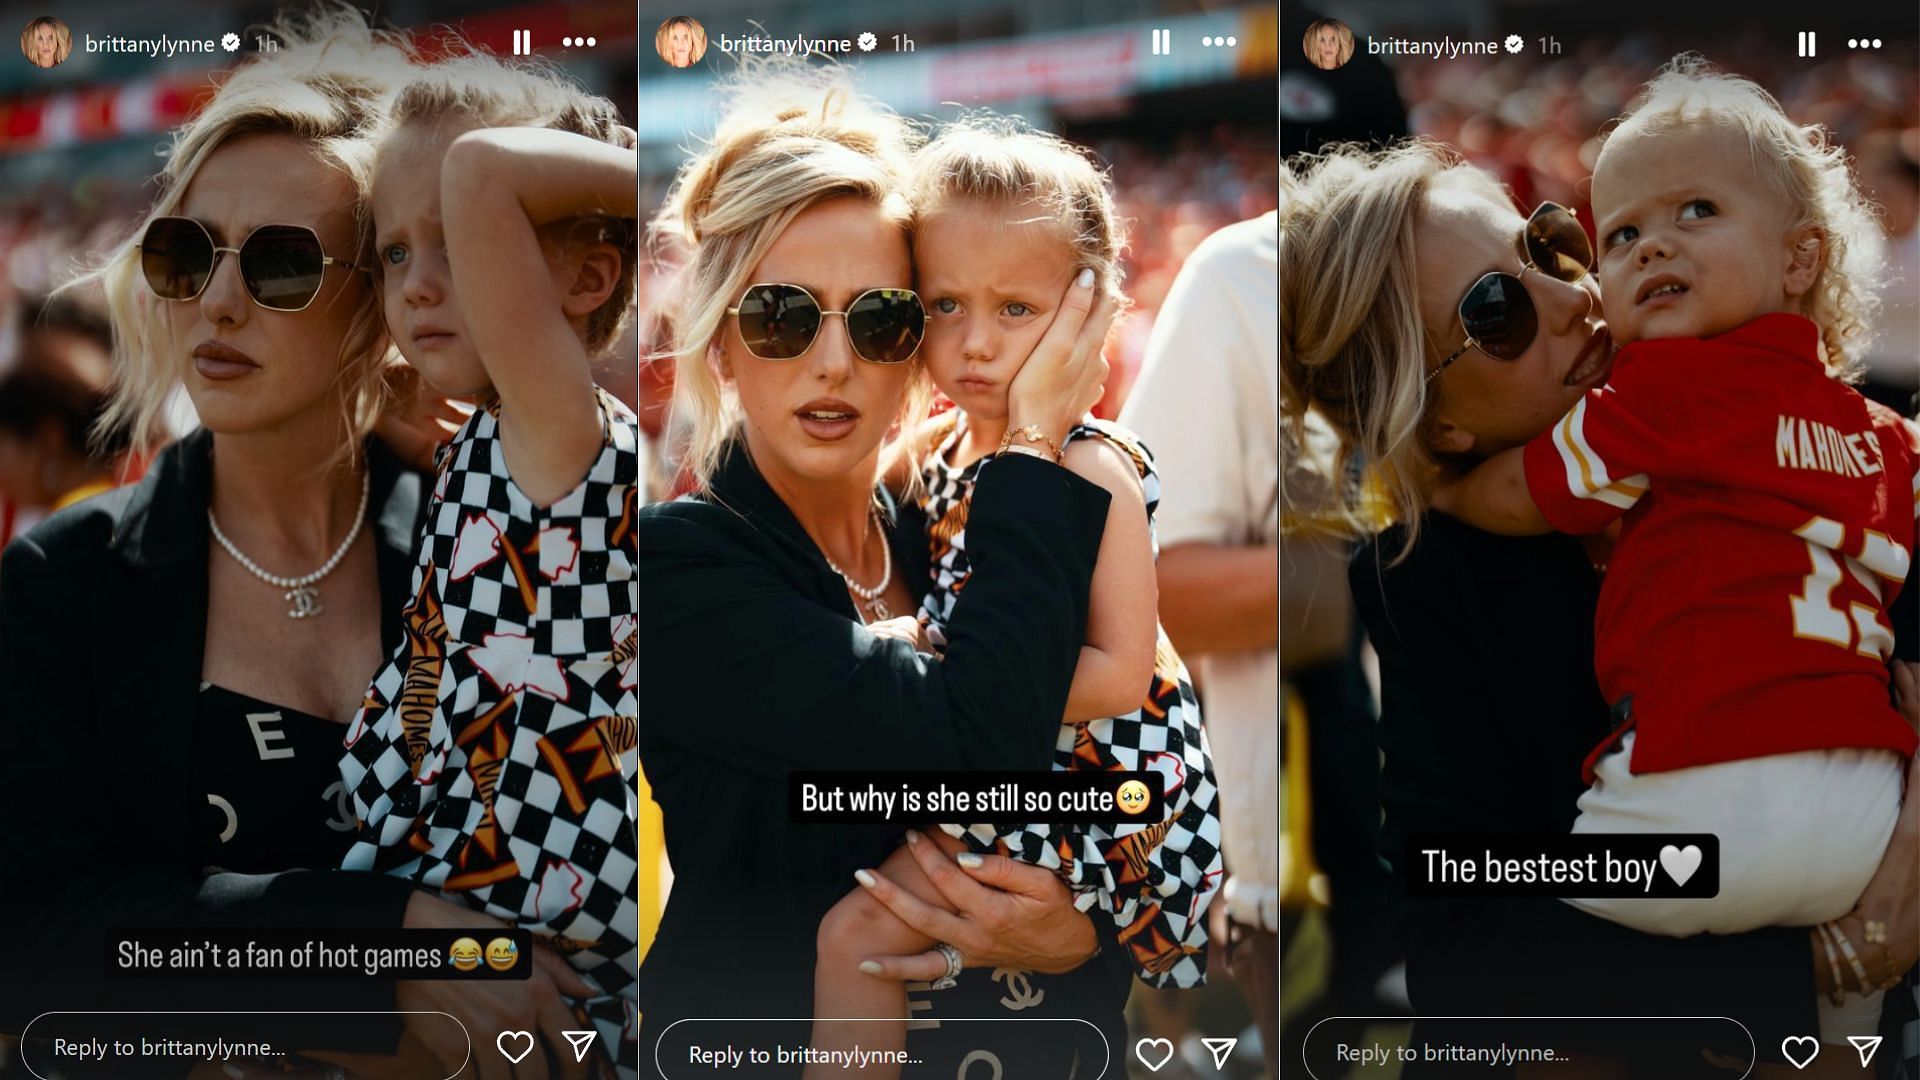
[
  {"x": 464, "y": 954},
  {"x": 1133, "y": 797}
]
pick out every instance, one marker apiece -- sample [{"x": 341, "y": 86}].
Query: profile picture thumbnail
[
  {"x": 1328, "y": 44},
  {"x": 681, "y": 41},
  {"x": 46, "y": 42}
]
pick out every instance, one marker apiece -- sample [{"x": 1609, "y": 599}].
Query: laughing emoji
[
  {"x": 464, "y": 954},
  {"x": 502, "y": 954}
]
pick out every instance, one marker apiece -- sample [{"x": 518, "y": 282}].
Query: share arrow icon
[
  {"x": 1220, "y": 1049},
  {"x": 1866, "y": 1045},
  {"x": 581, "y": 1041}
]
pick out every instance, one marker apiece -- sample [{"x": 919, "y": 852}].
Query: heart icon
[
  {"x": 1805, "y": 1045},
  {"x": 519, "y": 1038},
  {"x": 1163, "y": 1046},
  {"x": 1680, "y": 863}
]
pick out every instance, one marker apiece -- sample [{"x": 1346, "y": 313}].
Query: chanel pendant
[
  {"x": 880, "y": 609},
  {"x": 305, "y": 601}
]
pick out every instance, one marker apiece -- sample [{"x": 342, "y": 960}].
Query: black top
[
  {"x": 103, "y": 611},
  {"x": 753, "y": 665},
  {"x": 1488, "y": 705},
  {"x": 271, "y": 775}
]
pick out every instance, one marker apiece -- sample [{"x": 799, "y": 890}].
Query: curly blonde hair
[
  {"x": 329, "y": 84},
  {"x": 1797, "y": 162},
  {"x": 789, "y": 138}
]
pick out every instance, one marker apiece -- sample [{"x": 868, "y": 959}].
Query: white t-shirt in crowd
[{"x": 1207, "y": 405}]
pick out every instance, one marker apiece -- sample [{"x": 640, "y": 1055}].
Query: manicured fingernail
[
  {"x": 863, "y": 878},
  {"x": 871, "y": 967},
  {"x": 969, "y": 860},
  {"x": 1085, "y": 280},
  {"x": 913, "y": 836}
]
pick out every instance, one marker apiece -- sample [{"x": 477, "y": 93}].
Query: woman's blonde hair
[
  {"x": 63, "y": 38},
  {"x": 789, "y": 139},
  {"x": 1353, "y": 347},
  {"x": 478, "y": 90},
  {"x": 1002, "y": 161},
  {"x": 1339, "y": 28},
  {"x": 329, "y": 84},
  {"x": 1796, "y": 162}
]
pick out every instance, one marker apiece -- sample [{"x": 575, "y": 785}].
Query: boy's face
[
  {"x": 991, "y": 281},
  {"x": 1691, "y": 241},
  {"x": 416, "y": 285}
]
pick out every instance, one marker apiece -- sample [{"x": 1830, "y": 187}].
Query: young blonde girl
[
  {"x": 1006, "y": 221},
  {"x": 495, "y": 756}
]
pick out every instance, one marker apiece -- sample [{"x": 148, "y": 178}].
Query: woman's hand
[
  {"x": 418, "y": 419},
  {"x": 1891, "y": 896},
  {"x": 1010, "y": 914},
  {"x": 1063, "y": 377},
  {"x": 906, "y": 628},
  {"x": 487, "y": 1008}
]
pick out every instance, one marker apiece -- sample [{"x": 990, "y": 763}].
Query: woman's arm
[
  {"x": 1115, "y": 670},
  {"x": 525, "y": 299}
]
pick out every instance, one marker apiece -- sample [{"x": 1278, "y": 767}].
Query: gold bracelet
[
  {"x": 1028, "y": 451},
  {"x": 1032, "y": 434},
  {"x": 1853, "y": 958},
  {"x": 1876, "y": 931},
  {"x": 1838, "y": 994}
]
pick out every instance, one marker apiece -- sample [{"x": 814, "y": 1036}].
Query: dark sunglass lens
[
  {"x": 1557, "y": 244},
  {"x": 1499, "y": 316},
  {"x": 175, "y": 257},
  {"x": 778, "y": 322},
  {"x": 886, "y": 325},
  {"x": 282, "y": 266}
]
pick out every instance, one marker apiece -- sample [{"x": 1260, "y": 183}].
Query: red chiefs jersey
[{"x": 1768, "y": 522}]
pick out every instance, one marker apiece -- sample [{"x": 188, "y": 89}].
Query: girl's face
[
  {"x": 1692, "y": 243},
  {"x": 820, "y": 417},
  {"x": 1488, "y": 405},
  {"x": 246, "y": 368},
  {"x": 680, "y": 42},
  {"x": 410, "y": 250},
  {"x": 992, "y": 276},
  {"x": 46, "y": 45},
  {"x": 1329, "y": 46}
]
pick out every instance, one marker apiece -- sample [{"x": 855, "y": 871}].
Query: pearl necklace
[
  {"x": 299, "y": 590},
  {"x": 871, "y": 597}
]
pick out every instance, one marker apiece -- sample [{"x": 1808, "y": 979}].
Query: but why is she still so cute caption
[{"x": 1009, "y": 798}]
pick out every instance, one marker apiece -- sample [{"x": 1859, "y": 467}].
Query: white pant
[{"x": 1800, "y": 836}]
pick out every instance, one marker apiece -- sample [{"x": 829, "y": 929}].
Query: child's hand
[
  {"x": 418, "y": 419},
  {"x": 905, "y": 628},
  {"x": 1906, "y": 690}
]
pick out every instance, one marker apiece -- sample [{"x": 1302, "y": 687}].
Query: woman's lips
[
  {"x": 432, "y": 339},
  {"x": 828, "y": 420},
  {"x": 1594, "y": 363},
  {"x": 213, "y": 360}
]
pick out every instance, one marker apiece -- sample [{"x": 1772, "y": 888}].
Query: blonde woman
[
  {"x": 1489, "y": 701},
  {"x": 681, "y": 41},
  {"x": 770, "y": 642},
  {"x": 181, "y": 656},
  {"x": 1328, "y": 43},
  {"x": 46, "y": 42}
]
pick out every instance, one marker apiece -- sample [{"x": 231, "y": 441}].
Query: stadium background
[{"x": 1190, "y": 136}]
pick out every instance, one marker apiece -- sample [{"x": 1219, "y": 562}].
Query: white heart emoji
[
  {"x": 1680, "y": 863},
  {"x": 1807, "y": 1045},
  {"x": 1164, "y": 1046},
  {"x": 517, "y": 1037}
]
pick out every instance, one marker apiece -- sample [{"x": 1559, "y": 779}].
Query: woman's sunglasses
[
  {"x": 282, "y": 265},
  {"x": 1498, "y": 312},
  {"x": 781, "y": 322}
]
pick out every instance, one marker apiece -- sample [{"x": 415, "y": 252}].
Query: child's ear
[
  {"x": 1805, "y": 257},
  {"x": 595, "y": 272}
]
